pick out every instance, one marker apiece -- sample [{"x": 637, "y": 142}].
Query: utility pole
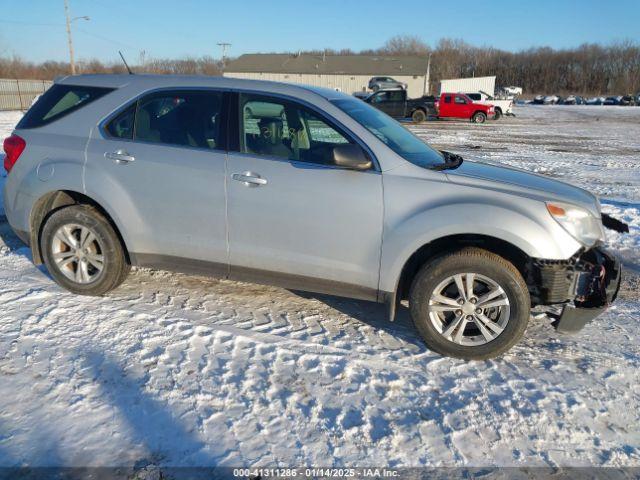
[
  {"x": 66, "y": 12},
  {"x": 224, "y": 46},
  {"x": 69, "y": 38},
  {"x": 427, "y": 77}
]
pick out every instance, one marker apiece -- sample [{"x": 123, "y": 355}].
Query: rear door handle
[
  {"x": 120, "y": 156},
  {"x": 249, "y": 179}
]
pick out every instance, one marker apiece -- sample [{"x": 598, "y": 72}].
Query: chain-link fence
[{"x": 18, "y": 94}]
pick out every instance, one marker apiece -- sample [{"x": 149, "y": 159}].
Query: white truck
[{"x": 502, "y": 106}]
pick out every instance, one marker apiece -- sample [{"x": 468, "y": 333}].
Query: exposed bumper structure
[{"x": 585, "y": 285}]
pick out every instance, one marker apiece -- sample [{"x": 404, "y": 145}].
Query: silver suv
[{"x": 301, "y": 187}]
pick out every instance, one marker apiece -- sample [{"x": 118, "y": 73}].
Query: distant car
[
  {"x": 595, "y": 101},
  {"x": 513, "y": 90},
  {"x": 384, "y": 83},
  {"x": 628, "y": 100},
  {"x": 550, "y": 100},
  {"x": 612, "y": 100},
  {"x": 396, "y": 104},
  {"x": 538, "y": 100},
  {"x": 573, "y": 100},
  {"x": 638, "y": 99}
]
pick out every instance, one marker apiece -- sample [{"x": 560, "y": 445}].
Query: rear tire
[
  {"x": 82, "y": 251},
  {"x": 418, "y": 116},
  {"x": 498, "y": 115},
  {"x": 474, "y": 324},
  {"x": 479, "y": 117}
]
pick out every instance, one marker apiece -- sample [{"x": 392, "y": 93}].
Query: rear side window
[
  {"x": 58, "y": 101},
  {"x": 185, "y": 118}
]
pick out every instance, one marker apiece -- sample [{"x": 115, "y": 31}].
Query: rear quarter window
[{"x": 58, "y": 101}]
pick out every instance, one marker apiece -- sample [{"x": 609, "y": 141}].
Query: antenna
[{"x": 125, "y": 63}]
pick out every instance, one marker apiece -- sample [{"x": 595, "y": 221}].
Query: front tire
[
  {"x": 479, "y": 117},
  {"x": 498, "y": 115},
  {"x": 82, "y": 251},
  {"x": 470, "y": 304}
]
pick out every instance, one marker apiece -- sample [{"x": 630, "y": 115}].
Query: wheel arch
[
  {"x": 451, "y": 243},
  {"x": 55, "y": 200}
]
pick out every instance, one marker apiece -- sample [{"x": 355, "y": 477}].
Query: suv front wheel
[
  {"x": 470, "y": 304},
  {"x": 82, "y": 251}
]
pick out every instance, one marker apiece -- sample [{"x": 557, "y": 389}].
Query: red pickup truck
[{"x": 458, "y": 105}]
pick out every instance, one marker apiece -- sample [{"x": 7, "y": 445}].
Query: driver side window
[{"x": 277, "y": 128}]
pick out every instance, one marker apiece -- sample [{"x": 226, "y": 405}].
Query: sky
[{"x": 35, "y": 29}]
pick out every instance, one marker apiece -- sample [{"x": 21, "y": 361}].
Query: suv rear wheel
[
  {"x": 419, "y": 116},
  {"x": 82, "y": 251},
  {"x": 470, "y": 304}
]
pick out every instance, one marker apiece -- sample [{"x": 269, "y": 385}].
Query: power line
[{"x": 32, "y": 24}]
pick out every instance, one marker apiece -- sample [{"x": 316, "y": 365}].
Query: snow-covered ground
[{"x": 178, "y": 370}]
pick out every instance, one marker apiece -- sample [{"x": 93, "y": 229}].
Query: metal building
[
  {"x": 469, "y": 85},
  {"x": 348, "y": 73}
]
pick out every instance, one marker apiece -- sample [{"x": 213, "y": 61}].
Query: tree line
[{"x": 588, "y": 69}]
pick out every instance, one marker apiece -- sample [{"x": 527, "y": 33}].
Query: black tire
[
  {"x": 479, "y": 262},
  {"x": 498, "y": 115},
  {"x": 114, "y": 267},
  {"x": 418, "y": 116},
  {"x": 375, "y": 88},
  {"x": 479, "y": 117}
]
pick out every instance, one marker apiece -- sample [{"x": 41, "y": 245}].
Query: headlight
[{"x": 580, "y": 223}]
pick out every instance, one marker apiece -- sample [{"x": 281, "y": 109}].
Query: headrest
[{"x": 271, "y": 129}]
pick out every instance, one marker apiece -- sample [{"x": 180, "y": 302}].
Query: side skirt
[{"x": 243, "y": 274}]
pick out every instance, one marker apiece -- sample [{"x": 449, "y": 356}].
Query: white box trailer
[{"x": 465, "y": 85}]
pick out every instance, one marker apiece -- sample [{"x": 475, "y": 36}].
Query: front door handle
[
  {"x": 120, "y": 156},
  {"x": 249, "y": 179}
]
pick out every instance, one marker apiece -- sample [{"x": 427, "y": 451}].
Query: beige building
[{"x": 347, "y": 73}]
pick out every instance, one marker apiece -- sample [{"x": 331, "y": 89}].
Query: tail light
[{"x": 13, "y": 148}]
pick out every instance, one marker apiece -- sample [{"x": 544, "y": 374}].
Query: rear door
[
  {"x": 446, "y": 106},
  {"x": 160, "y": 166},
  {"x": 293, "y": 216},
  {"x": 390, "y": 102},
  {"x": 397, "y": 103}
]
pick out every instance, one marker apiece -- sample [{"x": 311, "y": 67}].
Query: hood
[{"x": 521, "y": 182}]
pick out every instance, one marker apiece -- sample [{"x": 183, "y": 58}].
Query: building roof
[{"x": 328, "y": 64}]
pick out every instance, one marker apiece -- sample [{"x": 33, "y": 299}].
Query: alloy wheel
[
  {"x": 78, "y": 253},
  {"x": 469, "y": 309}
]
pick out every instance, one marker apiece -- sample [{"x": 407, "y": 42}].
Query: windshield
[{"x": 394, "y": 135}]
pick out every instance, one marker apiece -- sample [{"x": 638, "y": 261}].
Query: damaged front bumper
[{"x": 583, "y": 286}]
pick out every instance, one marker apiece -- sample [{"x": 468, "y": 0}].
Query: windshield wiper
[{"x": 451, "y": 161}]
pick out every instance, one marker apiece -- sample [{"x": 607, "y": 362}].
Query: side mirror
[{"x": 351, "y": 156}]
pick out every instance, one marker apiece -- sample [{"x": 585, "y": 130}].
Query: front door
[
  {"x": 463, "y": 107},
  {"x": 160, "y": 167},
  {"x": 294, "y": 218}
]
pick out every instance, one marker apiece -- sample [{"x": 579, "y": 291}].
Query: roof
[{"x": 328, "y": 64}]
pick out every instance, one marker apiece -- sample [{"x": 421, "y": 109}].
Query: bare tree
[{"x": 405, "y": 45}]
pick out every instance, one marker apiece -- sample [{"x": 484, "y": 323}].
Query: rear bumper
[{"x": 585, "y": 286}]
